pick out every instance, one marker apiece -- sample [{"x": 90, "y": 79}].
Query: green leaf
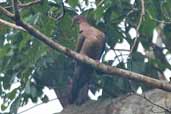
[
  {"x": 28, "y": 88},
  {"x": 3, "y": 107},
  {"x": 99, "y": 13},
  {"x": 147, "y": 26},
  {"x": 66, "y": 32},
  {"x": 73, "y": 3},
  {"x": 3, "y": 51},
  {"x": 12, "y": 94},
  {"x": 33, "y": 91},
  {"x": 136, "y": 63}
]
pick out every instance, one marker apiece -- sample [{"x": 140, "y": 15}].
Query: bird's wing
[{"x": 80, "y": 42}]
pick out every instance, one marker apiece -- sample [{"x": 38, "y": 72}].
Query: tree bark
[{"x": 155, "y": 101}]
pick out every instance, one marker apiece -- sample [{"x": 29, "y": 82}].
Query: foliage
[{"x": 25, "y": 60}]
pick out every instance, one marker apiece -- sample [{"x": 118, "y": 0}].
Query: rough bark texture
[{"x": 130, "y": 104}]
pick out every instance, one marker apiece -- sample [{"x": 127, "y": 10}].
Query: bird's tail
[{"x": 81, "y": 78}]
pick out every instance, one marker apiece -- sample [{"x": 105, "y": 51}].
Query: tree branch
[
  {"x": 138, "y": 26},
  {"x": 157, "y": 20},
  {"x": 12, "y": 25},
  {"x": 84, "y": 59},
  {"x": 25, "y": 5},
  {"x": 29, "y": 4},
  {"x": 6, "y": 12},
  {"x": 63, "y": 11},
  {"x": 16, "y": 12}
]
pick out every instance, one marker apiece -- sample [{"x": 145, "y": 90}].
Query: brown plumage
[{"x": 91, "y": 42}]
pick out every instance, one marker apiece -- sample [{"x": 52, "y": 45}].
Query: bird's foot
[{"x": 97, "y": 61}]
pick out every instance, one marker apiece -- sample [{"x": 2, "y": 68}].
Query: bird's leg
[{"x": 97, "y": 61}]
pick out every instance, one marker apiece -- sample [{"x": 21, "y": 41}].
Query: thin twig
[
  {"x": 141, "y": 16},
  {"x": 61, "y": 15},
  {"x": 122, "y": 50},
  {"x": 12, "y": 25},
  {"x": 116, "y": 57},
  {"x": 157, "y": 20},
  {"x": 100, "y": 3},
  {"x": 131, "y": 11},
  {"x": 25, "y": 5},
  {"x": 6, "y": 12},
  {"x": 151, "y": 102},
  {"x": 63, "y": 12},
  {"x": 120, "y": 55},
  {"x": 138, "y": 26},
  {"x": 29, "y": 4}
]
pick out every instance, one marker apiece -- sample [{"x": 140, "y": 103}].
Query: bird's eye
[{"x": 80, "y": 31}]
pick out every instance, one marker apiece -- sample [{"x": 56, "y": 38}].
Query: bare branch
[
  {"x": 141, "y": 15},
  {"x": 25, "y": 5},
  {"x": 138, "y": 26},
  {"x": 29, "y": 4},
  {"x": 157, "y": 20},
  {"x": 57, "y": 18},
  {"x": 127, "y": 50},
  {"x": 148, "y": 100},
  {"x": 116, "y": 57},
  {"x": 63, "y": 11},
  {"x": 100, "y": 66},
  {"x": 105, "y": 68},
  {"x": 6, "y": 12},
  {"x": 12, "y": 25}
]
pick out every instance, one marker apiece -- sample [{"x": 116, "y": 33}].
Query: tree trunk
[{"x": 151, "y": 102}]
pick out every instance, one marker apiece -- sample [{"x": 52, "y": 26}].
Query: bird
[{"x": 91, "y": 43}]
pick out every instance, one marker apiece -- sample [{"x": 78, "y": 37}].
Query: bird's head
[{"x": 79, "y": 19}]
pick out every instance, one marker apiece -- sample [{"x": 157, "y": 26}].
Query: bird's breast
[
  {"x": 94, "y": 41},
  {"x": 92, "y": 48}
]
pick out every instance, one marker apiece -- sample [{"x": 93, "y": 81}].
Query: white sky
[
  {"x": 2, "y": 1},
  {"x": 51, "y": 107}
]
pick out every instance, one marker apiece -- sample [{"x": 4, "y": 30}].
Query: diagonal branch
[
  {"x": 6, "y": 12},
  {"x": 100, "y": 66},
  {"x": 138, "y": 26},
  {"x": 12, "y": 25},
  {"x": 84, "y": 59},
  {"x": 29, "y": 4}
]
